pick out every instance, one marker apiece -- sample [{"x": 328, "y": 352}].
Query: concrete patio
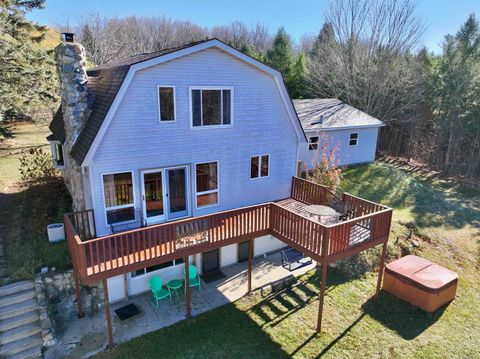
[{"x": 87, "y": 336}]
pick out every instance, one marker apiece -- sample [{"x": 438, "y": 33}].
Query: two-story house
[
  {"x": 189, "y": 155},
  {"x": 173, "y": 134}
]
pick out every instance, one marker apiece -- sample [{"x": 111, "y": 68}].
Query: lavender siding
[
  {"x": 363, "y": 152},
  {"x": 136, "y": 140}
]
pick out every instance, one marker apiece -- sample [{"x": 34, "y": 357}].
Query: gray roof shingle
[
  {"x": 326, "y": 113},
  {"x": 57, "y": 128}
]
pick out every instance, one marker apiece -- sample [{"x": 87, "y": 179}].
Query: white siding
[
  {"x": 363, "y": 152},
  {"x": 136, "y": 139},
  {"x": 266, "y": 244},
  {"x": 228, "y": 255}
]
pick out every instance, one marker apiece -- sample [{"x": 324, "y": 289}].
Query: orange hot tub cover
[{"x": 420, "y": 282}]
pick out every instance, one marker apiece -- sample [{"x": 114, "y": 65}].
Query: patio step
[
  {"x": 18, "y": 321},
  {"x": 31, "y": 353},
  {"x": 16, "y": 287},
  {"x": 18, "y": 333},
  {"x": 18, "y": 297},
  {"x": 19, "y": 346},
  {"x": 15, "y": 309}
]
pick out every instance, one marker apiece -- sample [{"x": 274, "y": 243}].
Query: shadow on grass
[
  {"x": 391, "y": 185},
  {"x": 24, "y": 217},
  {"x": 401, "y": 317}
]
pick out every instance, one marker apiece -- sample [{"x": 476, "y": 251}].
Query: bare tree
[{"x": 366, "y": 62}]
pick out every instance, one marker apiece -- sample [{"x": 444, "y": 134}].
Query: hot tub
[{"x": 420, "y": 282}]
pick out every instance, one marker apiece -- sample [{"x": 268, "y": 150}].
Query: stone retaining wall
[{"x": 58, "y": 302}]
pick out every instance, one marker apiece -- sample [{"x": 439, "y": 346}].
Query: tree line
[{"x": 367, "y": 54}]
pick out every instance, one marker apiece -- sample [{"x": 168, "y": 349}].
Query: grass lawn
[
  {"x": 434, "y": 219},
  {"x": 25, "y": 212}
]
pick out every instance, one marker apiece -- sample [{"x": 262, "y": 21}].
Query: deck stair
[{"x": 20, "y": 330}]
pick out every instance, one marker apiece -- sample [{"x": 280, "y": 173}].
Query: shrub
[
  {"x": 36, "y": 167},
  {"x": 326, "y": 171}
]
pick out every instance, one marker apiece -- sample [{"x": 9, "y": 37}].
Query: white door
[{"x": 165, "y": 194}]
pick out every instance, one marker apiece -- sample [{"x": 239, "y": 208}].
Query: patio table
[
  {"x": 320, "y": 211},
  {"x": 175, "y": 285}
]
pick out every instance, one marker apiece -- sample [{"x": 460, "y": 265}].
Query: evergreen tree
[
  {"x": 281, "y": 56},
  {"x": 325, "y": 36},
  {"x": 297, "y": 81},
  {"x": 27, "y": 72}
]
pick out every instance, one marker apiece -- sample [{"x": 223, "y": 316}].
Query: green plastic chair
[
  {"x": 158, "y": 292},
  {"x": 193, "y": 277}
]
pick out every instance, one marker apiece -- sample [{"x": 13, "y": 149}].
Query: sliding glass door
[{"x": 164, "y": 194}]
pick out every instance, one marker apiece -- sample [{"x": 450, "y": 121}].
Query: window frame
[
  {"x": 201, "y": 88},
  {"x": 350, "y": 139},
  {"x": 106, "y": 209},
  {"x": 195, "y": 193},
  {"x": 139, "y": 276},
  {"x": 260, "y": 166},
  {"x": 313, "y": 143},
  {"x": 53, "y": 148},
  {"x": 174, "y": 104}
]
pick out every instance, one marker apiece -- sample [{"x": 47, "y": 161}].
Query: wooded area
[{"x": 367, "y": 54}]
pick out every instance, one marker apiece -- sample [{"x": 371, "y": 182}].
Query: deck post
[
  {"x": 107, "y": 314},
  {"x": 322, "y": 295},
  {"x": 187, "y": 286},
  {"x": 125, "y": 287},
  {"x": 78, "y": 291},
  {"x": 250, "y": 255},
  {"x": 380, "y": 270}
]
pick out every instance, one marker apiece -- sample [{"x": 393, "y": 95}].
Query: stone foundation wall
[{"x": 58, "y": 302}]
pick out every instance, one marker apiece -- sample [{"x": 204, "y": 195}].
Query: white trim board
[{"x": 180, "y": 53}]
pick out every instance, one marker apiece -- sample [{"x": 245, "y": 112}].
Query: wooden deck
[{"x": 364, "y": 225}]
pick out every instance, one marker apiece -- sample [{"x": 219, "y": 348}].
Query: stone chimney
[{"x": 71, "y": 66}]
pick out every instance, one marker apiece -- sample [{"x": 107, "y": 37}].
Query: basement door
[{"x": 165, "y": 194}]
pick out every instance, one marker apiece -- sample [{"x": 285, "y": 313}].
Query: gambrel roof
[{"x": 107, "y": 83}]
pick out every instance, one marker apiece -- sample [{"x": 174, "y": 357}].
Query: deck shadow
[{"x": 405, "y": 319}]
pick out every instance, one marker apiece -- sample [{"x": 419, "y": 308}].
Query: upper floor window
[
  {"x": 259, "y": 166},
  {"x": 211, "y": 106},
  {"x": 206, "y": 177},
  {"x": 166, "y": 103},
  {"x": 313, "y": 143},
  {"x": 57, "y": 153},
  {"x": 353, "y": 139},
  {"x": 118, "y": 191}
]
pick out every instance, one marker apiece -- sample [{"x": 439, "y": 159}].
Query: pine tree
[
  {"x": 27, "y": 72},
  {"x": 297, "y": 81},
  {"x": 281, "y": 56}
]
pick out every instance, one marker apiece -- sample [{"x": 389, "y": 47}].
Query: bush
[
  {"x": 326, "y": 171},
  {"x": 36, "y": 167}
]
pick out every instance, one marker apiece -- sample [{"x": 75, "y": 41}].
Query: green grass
[
  {"x": 25, "y": 212},
  {"x": 441, "y": 217}
]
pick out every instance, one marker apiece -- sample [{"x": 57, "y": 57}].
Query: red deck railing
[{"x": 100, "y": 258}]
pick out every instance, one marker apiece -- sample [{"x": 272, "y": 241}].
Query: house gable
[{"x": 86, "y": 155}]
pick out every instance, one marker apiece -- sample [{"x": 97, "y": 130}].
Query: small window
[
  {"x": 313, "y": 143},
  {"x": 119, "y": 203},
  {"x": 211, "y": 107},
  {"x": 206, "y": 184},
  {"x": 154, "y": 268},
  {"x": 57, "y": 154},
  {"x": 259, "y": 166},
  {"x": 166, "y": 101},
  {"x": 353, "y": 139}
]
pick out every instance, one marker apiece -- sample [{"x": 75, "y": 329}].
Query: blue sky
[{"x": 298, "y": 16}]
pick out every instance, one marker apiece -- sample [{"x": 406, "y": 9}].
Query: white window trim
[
  {"x": 202, "y": 127},
  {"x": 105, "y": 208},
  {"x": 196, "y": 194},
  {"x": 161, "y": 270},
  {"x": 259, "y": 166},
  {"x": 174, "y": 104},
  {"x": 350, "y": 138},
  {"x": 54, "y": 154},
  {"x": 313, "y": 143}
]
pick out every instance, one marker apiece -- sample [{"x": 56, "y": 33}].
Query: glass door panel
[
  {"x": 177, "y": 192},
  {"x": 153, "y": 201}
]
